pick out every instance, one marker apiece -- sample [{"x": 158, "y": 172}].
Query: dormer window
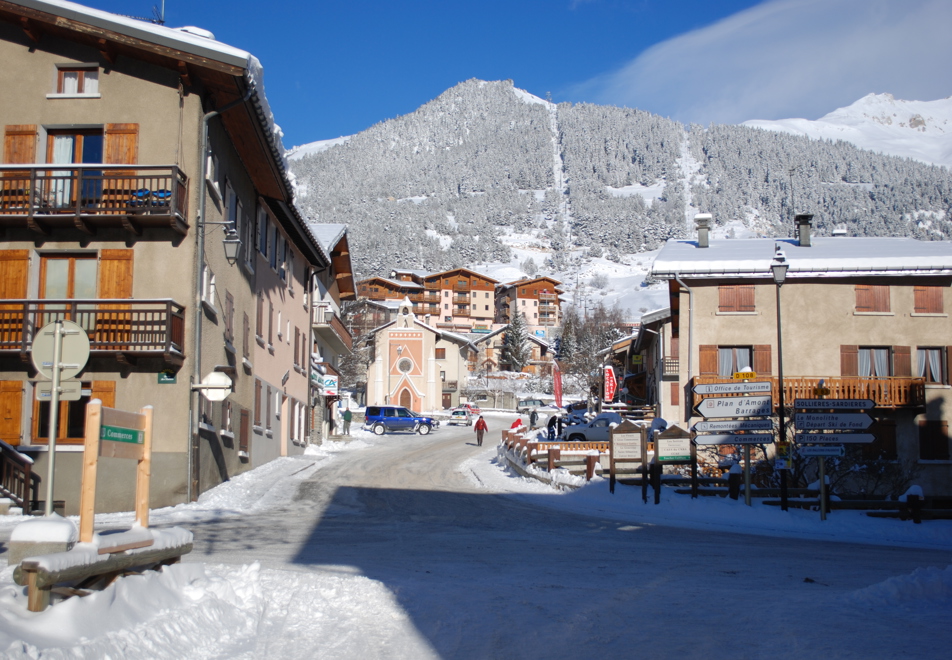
[{"x": 73, "y": 80}]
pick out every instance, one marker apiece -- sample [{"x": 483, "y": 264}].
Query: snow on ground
[{"x": 186, "y": 610}]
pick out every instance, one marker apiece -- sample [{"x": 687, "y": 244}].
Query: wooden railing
[
  {"x": 325, "y": 318},
  {"x": 461, "y": 311},
  {"x": 91, "y": 196},
  {"x": 113, "y": 325},
  {"x": 893, "y": 392},
  {"x": 670, "y": 368},
  {"x": 17, "y": 480},
  {"x": 548, "y": 296}
]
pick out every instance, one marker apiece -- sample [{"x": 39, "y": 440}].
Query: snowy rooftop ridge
[{"x": 841, "y": 256}]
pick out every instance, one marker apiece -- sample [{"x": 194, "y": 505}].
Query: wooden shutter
[
  {"x": 745, "y": 298},
  {"x": 14, "y": 270},
  {"x": 244, "y": 435},
  {"x": 849, "y": 360},
  {"x": 19, "y": 143},
  {"x": 675, "y": 394},
  {"x": 105, "y": 391},
  {"x": 902, "y": 361},
  {"x": 675, "y": 348},
  {"x": 727, "y": 298},
  {"x": 864, "y": 301},
  {"x": 708, "y": 360},
  {"x": 115, "y": 281},
  {"x": 928, "y": 300},
  {"x": 121, "y": 144},
  {"x": 11, "y": 411},
  {"x": 880, "y": 298},
  {"x": 246, "y": 336},
  {"x": 947, "y": 377},
  {"x": 762, "y": 360}
]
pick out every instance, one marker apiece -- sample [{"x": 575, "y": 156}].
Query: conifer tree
[{"x": 516, "y": 347}]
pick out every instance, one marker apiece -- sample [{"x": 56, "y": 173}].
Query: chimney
[
  {"x": 804, "y": 223},
  {"x": 703, "y": 221}
]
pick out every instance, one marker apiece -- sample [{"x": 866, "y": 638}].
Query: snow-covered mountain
[
  {"x": 489, "y": 177},
  {"x": 878, "y": 122}
]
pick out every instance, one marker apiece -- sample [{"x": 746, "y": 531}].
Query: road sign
[
  {"x": 834, "y": 404},
  {"x": 70, "y": 390},
  {"x": 744, "y": 375},
  {"x": 734, "y": 439},
  {"x": 731, "y": 388},
  {"x": 832, "y": 421},
  {"x": 673, "y": 449},
  {"x": 735, "y": 425},
  {"x": 821, "y": 391},
  {"x": 832, "y": 450},
  {"x": 74, "y": 353},
  {"x": 216, "y": 386},
  {"x": 826, "y": 438},
  {"x": 611, "y": 384},
  {"x": 736, "y": 406}
]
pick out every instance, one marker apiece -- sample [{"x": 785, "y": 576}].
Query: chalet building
[
  {"x": 144, "y": 196},
  {"x": 460, "y": 300},
  {"x": 392, "y": 288},
  {"x": 646, "y": 360},
  {"x": 537, "y": 298},
  {"x": 869, "y": 317},
  {"x": 416, "y": 365},
  {"x": 491, "y": 354}
]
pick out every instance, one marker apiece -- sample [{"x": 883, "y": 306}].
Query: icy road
[{"x": 473, "y": 572}]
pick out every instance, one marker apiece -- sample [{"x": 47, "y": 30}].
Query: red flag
[
  {"x": 611, "y": 385},
  {"x": 557, "y": 383}
]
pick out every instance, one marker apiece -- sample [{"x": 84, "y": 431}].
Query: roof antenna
[{"x": 158, "y": 15}]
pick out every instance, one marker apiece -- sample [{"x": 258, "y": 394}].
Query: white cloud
[{"x": 788, "y": 58}]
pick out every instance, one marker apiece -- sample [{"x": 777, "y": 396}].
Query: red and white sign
[
  {"x": 611, "y": 385},
  {"x": 557, "y": 383}
]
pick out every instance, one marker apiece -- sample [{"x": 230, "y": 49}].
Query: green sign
[
  {"x": 167, "y": 377},
  {"x": 120, "y": 434}
]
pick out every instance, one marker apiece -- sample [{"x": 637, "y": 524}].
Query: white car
[
  {"x": 595, "y": 430},
  {"x": 460, "y": 417}
]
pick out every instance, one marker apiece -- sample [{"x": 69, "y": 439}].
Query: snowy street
[{"x": 387, "y": 549}]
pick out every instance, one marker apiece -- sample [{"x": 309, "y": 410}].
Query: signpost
[
  {"x": 731, "y": 388},
  {"x": 734, "y": 439},
  {"x": 735, "y": 406},
  {"x": 833, "y": 404},
  {"x": 833, "y": 421},
  {"x": 831, "y": 450},
  {"x": 735, "y": 425},
  {"x": 626, "y": 444},
  {"x": 827, "y": 438}
]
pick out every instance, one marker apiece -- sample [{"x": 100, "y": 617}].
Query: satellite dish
[{"x": 217, "y": 386}]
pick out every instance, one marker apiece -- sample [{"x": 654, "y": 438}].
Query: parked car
[
  {"x": 526, "y": 405},
  {"x": 460, "y": 416},
  {"x": 381, "y": 419},
  {"x": 595, "y": 430},
  {"x": 471, "y": 408}
]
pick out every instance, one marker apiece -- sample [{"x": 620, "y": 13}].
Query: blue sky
[{"x": 336, "y": 67}]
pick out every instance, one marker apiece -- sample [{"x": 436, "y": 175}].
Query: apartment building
[
  {"x": 536, "y": 298},
  {"x": 867, "y": 317},
  {"x": 143, "y": 195}
]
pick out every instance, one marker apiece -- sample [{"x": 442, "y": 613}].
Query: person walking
[
  {"x": 480, "y": 429},
  {"x": 550, "y": 426},
  {"x": 533, "y": 419},
  {"x": 347, "y": 415},
  {"x": 516, "y": 424}
]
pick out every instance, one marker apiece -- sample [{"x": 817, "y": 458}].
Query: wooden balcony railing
[
  {"x": 431, "y": 297},
  {"x": 329, "y": 325},
  {"x": 450, "y": 385},
  {"x": 432, "y": 285},
  {"x": 461, "y": 300},
  {"x": 126, "y": 327},
  {"x": 462, "y": 286},
  {"x": 891, "y": 392},
  {"x": 670, "y": 368},
  {"x": 548, "y": 296},
  {"x": 17, "y": 480},
  {"x": 89, "y": 197},
  {"x": 461, "y": 311}
]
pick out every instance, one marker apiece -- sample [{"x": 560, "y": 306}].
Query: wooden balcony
[
  {"x": 671, "y": 369},
  {"x": 461, "y": 311},
  {"x": 461, "y": 300},
  {"x": 885, "y": 392},
  {"x": 92, "y": 197},
  {"x": 433, "y": 285},
  {"x": 330, "y": 328},
  {"x": 126, "y": 329},
  {"x": 450, "y": 385},
  {"x": 548, "y": 296},
  {"x": 462, "y": 286},
  {"x": 431, "y": 297}
]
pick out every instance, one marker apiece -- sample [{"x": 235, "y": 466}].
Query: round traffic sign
[
  {"x": 74, "y": 353},
  {"x": 219, "y": 386}
]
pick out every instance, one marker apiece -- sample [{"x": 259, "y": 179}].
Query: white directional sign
[
  {"x": 832, "y": 450},
  {"x": 731, "y": 388},
  {"x": 736, "y": 406},
  {"x": 734, "y": 439},
  {"x": 832, "y": 421},
  {"x": 734, "y": 425},
  {"x": 834, "y": 404},
  {"x": 825, "y": 438}
]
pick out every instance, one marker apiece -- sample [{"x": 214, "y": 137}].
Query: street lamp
[
  {"x": 779, "y": 269},
  {"x": 232, "y": 244}
]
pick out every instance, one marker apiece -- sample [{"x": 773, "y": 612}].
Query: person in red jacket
[
  {"x": 480, "y": 429},
  {"x": 516, "y": 424}
]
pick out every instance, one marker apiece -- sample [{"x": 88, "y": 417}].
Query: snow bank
[{"x": 49, "y": 529}]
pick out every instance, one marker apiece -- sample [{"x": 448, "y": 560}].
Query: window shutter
[
  {"x": 105, "y": 391},
  {"x": 727, "y": 298},
  {"x": 19, "y": 143},
  {"x": 14, "y": 268},
  {"x": 762, "y": 359},
  {"x": 864, "y": 302},
  {"x": 675, "y": 394},
  {"x": 928, "y": 300},
  {"x": 115, "y": 273},
  {"x": 902, "y": 361},
  {"x": 745, "y": 298},
  {"x": 675, "y": 348},
  {"x": 121, "y": 144},
  {"x": 244, "y": 435},
  {"x": 11, "y": 410},
  {"x": 880, "y": 298},
  {"x": 849, "y": 360},
  {"x": 708, "y": 360}
]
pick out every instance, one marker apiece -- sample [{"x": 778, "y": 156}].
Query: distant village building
[{"x": 536, "y": 298}]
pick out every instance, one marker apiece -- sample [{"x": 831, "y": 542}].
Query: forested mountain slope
[{"x": 450, "y": 183}]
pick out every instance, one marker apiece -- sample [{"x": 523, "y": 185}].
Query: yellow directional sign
[{"x": 744, "y": 375}]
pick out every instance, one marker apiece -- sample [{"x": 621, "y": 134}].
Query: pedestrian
[
  {"x": 533, "y": 418},
  {"x": 558, "y": 426},
  {"x": 516, "y": 424},
  {"x": 480, "y": 429},
  {"x": 550, "y": 426},
  {"x": 346, "y": 416}
]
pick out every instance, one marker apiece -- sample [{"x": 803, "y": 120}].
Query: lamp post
[{"x": 779, "y": 268}]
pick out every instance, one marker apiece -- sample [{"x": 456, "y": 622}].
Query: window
[
  {"x": 229, "y": 317},
  {"x": 928, "y": 300},
  {"x": 441, "y": 354},
  {"x": 487, "y": 294},
  {"x": 446, "y": 294},
  {"x": 929, "y": 364},
  {"x": 732, "y": 359},
  {"x": 297, "y": 346},
  {"x": 267, "y": 410},
  {"x": 257, "y": 402},
  {"x": 273, "y": 247},
  {"x": 73, "y": 147},
  {"x": 872, "y": 298},
  {"x": 226, "y": 412},
  {"x": 259, "y": 318},
  {"x": 212, "y": 174},
  {"x": 270, "y": 324},
  {"x": 447, "y": 318},
  {"x": 246, "y": 336},
  {"x": 735, "y": 298},
  {"x": 933, "y": 440},
  {"x": 446, "y": 306},
  {"x": 264, "y": 225},
  {"x": 874, "y": 361},
  {"x": 71, "y": 419},
  {"x": 208, "y": 287},
  {"x": 77, "y": 81},
  {"x": 443, "y": 376}
]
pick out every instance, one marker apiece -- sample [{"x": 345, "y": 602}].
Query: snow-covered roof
[
  {"x": 655, "y": 315},
  {"x": 327, "y": 234},
  {"x": 830, "y": 257}
]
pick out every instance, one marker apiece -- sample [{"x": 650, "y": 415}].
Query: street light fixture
[
  {"x": 232, "y": 245},
  {"x": 779, "y": 269}
]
